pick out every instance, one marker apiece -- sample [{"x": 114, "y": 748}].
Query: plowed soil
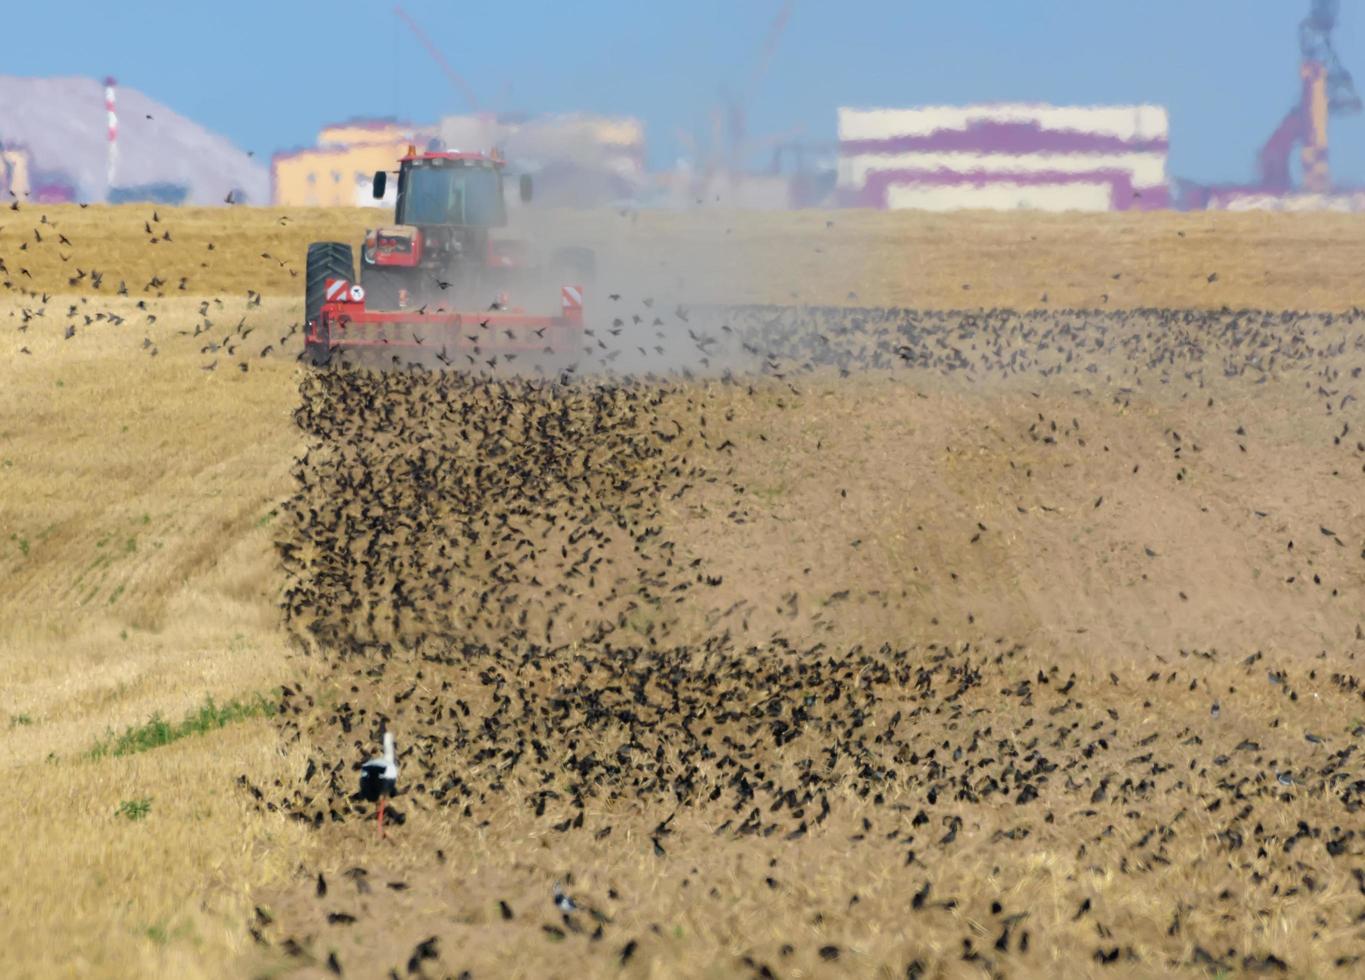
[{"x": 885, "y": 640}]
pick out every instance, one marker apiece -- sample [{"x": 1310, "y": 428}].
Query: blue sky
[{"x": 267, "y": 75}]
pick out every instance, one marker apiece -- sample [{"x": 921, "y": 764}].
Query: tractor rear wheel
[{"x": 326, "y": 260}]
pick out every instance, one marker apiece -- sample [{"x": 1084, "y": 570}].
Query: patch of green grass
[
  {"x": 158, "y": 731},
  {"x": 641, "y": 621},
  {"x": 17, "y": 720},
  {"x": 23, "y": 546},
  {"x": 771, "y": 494},
  {"x": 266, "y": 519},
  {"x": 162, "y": 932},
  {"x": 134, "y": 809}
]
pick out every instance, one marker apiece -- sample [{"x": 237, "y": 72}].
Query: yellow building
[
  {"x": 338, "y": 172},
  {"x": 362, "y": 132}
]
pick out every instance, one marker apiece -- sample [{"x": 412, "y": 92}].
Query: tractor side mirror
[
  {"x": 526, "y": 188},
  {"x": 381, "y": 182}
]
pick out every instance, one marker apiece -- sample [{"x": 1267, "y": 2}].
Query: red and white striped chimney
[{"x": 109, "y": 106}]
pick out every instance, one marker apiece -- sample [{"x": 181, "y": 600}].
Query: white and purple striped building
[{"x": 1004, "y": 157}]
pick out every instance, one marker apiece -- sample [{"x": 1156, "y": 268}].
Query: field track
[{"x": 917, "y": 644}]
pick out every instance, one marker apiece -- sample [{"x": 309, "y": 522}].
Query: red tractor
[{"x": 441, "y": 256}]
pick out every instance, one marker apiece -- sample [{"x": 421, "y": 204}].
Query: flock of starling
[
  {"x": 490, "y": 568},
  {"x": 77, "y": 299},
  {"x": 606, "y": 767}
]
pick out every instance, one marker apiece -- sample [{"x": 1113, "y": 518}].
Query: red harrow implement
[{"x": 456, "y": 338}]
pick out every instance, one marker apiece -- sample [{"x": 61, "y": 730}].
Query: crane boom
[
  {"x": 770, "y": 43},
  {"x": 736, "y": 105},
  {"x": 455, "y": 78},
  {"x": 1328, "y": 90},
  {"x": 1315, "y": 44}
]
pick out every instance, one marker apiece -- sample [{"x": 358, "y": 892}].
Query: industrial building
[{"x": 1005, "y": 156}]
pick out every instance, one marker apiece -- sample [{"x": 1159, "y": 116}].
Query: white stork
[{"x": 379, "y": 778}]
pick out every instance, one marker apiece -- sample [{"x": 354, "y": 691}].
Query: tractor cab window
[{"x": 452, "y": 195}]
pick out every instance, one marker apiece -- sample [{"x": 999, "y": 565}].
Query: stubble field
[{"x": 885, "y": 642}]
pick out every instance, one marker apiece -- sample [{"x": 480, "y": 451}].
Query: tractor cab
[
  {"x": 447, "y": 203},
  {"x": 440, "y": 188}
]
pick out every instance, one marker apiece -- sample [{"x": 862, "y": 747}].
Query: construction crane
[
  {"x": 456, "y": 80},
  {"x": 728, "y": 141},
  {"x": 737, "y": 119},
  {"x": 1328, "y": 90}
]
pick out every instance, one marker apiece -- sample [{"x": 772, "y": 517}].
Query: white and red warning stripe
[
  {"x": 572, "y": 299},
  {"x": 110, "y": 108},
  {"x": 342, "y": 291}
]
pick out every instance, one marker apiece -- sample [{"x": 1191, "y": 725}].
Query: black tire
[{"x": 326, "y": 260}]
